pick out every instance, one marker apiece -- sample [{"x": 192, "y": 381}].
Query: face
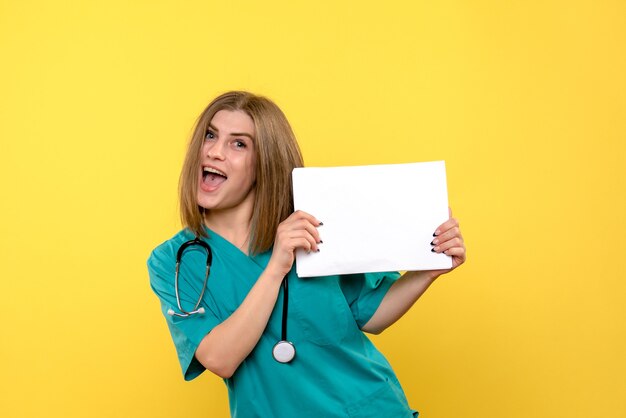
[{"x": 227, "y": 171}]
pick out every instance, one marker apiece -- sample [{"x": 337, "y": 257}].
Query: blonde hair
[{"x": 277, "y": 154}]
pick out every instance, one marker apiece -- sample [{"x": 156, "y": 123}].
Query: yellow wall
[{"x": 526, "y": 102}]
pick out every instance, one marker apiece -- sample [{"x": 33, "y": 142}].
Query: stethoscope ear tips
[{"x": 171, "y": 312}]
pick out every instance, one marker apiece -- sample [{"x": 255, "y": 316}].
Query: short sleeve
[
  {"x": 364, "y": 292},
  {"x": 187, "y": 332}
]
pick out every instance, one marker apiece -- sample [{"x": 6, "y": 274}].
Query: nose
[{"x": 215, "y": 151}]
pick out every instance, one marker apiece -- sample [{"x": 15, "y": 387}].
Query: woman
[{"x": 235, "y": 193}]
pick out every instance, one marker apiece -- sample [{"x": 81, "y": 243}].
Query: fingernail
[
  {"x": 318, "y": 250},
  {"x": 436, "y": 233},
  {"x": 321, "y": 242},
  {"x": 432, "y": 250},
  {"x": 434, "y": 242},
  {"x": 321, "y": 223}
]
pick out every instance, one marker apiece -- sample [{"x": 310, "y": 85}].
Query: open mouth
[{"x": 212, "y": 177}]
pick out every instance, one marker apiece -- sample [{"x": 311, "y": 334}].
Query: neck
[{"x": 232, "y": 224}]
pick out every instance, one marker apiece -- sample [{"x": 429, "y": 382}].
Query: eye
[
  {"x": 239, "y": 144},
  {"x": 209, "y": 135}
]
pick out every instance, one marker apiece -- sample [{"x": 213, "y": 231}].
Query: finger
[
  {"x": 300, "y": 214},
  {"x": 456, "y": 252},
  {"x": 303, "y": 220},
  {"x": 300, "y": 225},
  {"x": 305, "y": 224},
  {"x": 453, "y": 243},
  {"x": 303, "y": 243},
  {"x": 454, "y": 232},
  {"x": 292, "y": 241},
  {"x": 303, "y": 239},
  {"x": 450, "y": 223}
]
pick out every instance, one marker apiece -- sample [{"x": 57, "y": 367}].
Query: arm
[
  {"x": 408, "y": 289},
  {"x": 223, "y": 349}
]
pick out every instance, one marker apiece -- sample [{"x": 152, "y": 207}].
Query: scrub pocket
[
  {"x": 388, "y": 401},
  {"x": 321, "y": 309}
]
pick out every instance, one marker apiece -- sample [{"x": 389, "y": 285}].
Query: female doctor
[{"x": 235, "y": 196}]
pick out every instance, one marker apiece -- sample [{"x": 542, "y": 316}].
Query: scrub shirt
[{"x": 337, "y": 371}]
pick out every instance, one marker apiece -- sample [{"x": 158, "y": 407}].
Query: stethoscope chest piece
[{"x": 284, "y": 352}]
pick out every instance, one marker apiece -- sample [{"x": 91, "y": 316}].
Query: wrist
[
  {"x": 428, "y": 276},
  {"x": 275, "y": 271}
]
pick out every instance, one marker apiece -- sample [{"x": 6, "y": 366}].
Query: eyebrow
[{"x": 233, "y": 133}]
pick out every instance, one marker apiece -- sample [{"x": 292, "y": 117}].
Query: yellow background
[{"x": 526, "y": 102}]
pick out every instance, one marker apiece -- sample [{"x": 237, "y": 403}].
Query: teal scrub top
[{"x": 337, "y": 371}]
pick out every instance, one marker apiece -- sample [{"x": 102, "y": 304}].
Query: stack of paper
[{"x": 376, "y": 218}]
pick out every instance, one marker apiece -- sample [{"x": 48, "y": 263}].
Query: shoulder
[{"x": 164, "y": 255}]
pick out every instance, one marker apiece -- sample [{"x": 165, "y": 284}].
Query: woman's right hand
[{"x": 299, "y": 230}]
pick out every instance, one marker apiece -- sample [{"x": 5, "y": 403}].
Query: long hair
[{"x": 277, "y": 154}]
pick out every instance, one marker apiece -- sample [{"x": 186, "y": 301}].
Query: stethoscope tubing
[
  {"x": 283, "y": 334},
  {"x": 179, "y": 257},
  {"x": 284, "y": 351}
]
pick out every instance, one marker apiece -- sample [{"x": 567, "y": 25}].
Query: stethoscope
[{"x": 283, "y": 352}]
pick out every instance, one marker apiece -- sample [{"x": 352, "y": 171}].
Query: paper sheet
[{"x": 376, "y": 218}]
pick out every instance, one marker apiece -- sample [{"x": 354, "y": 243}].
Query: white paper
[{"x": 376, "y": 218}]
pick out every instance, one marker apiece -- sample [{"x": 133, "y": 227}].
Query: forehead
[{"x": 233, "y": 121}]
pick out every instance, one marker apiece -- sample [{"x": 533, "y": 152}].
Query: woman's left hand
[
  {"x": 408, "y": 288},
  {"x": 448, "y": 240}
]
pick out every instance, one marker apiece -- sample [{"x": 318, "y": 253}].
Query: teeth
[{"x": 214, "y": 171}]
